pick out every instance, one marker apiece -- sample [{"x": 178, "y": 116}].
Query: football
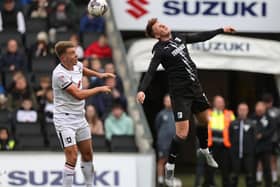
[{"x": 97, "y": 7}]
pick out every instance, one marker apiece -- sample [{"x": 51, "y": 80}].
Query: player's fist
[
  {"x": 229, "y": 29},
  {"x": 105, "y": 89},
  {"x": 107, "y": 75},
  {"x": 140, "y": 97}
]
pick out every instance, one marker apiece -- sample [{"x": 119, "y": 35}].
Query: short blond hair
[{"x": 61, "y": 47}]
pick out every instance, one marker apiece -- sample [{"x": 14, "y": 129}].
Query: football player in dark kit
[{"x": 185, "y": 90}]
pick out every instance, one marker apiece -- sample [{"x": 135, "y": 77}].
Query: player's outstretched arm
[
  {"x": 83, "y": 94},
  {"x": 91, "y": 73},
  {"x": 206, "y": 35}
]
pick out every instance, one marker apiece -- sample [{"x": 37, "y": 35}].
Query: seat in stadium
[
  {"x": 63, "y": 36},
  {"x": 31, "y": 38},
  {"x": 54, "y": 143},
  {"x": 99, "y": 143},
  {"x": 7, "y": 35},
  {"x": 5, "y": 120},
  {"x": 28, "y": 142},
  {"x": 35, "y": 25},
  {"x": 29, "y": 129},
  {"x": 123, "y": 143},
  {"x": 89, "y": 37},
  {"x": 43, "y": 64}
]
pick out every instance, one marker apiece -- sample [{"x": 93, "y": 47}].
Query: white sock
[
  {"x": 259, "y": 176},
  {"x": 160, "y": 179},
  {"x": 274, "y": 176},
  {"x": 87, "y": 170},
  {"x": 68, "y": 175},
  {"x": 205, "y": 151}
]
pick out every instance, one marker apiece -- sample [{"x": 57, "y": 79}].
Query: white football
[{"x": 97, "y": 7}]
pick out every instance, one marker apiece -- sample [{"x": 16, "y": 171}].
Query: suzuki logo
[{"x": 137, "y": 9}]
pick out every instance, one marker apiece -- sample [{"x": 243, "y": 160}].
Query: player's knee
[
  {"x": 182, "y": 135},
  {"x": 71, "y": 156},
  {"x": 87, "y": 156}
]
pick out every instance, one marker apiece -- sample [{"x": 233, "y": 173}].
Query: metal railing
[{"x": 130, "y": 79}]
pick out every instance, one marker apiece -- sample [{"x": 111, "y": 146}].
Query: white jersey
[{"x": 65, "y": 103}]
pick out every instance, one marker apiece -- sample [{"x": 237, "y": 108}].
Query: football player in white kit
[{"x": 69, "y": 115}]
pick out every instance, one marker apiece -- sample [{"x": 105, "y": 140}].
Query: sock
[
  {"x": 174, "y": 149},
  {"x": 68, "y": 175},
  {"x": 160, "y": 179},
  {"x": 259, "y": 176},
  {"x": 202, "y": 135},
  {"x": 274, "y": 176},
  {"x": 87, "y": 170},
  {"x": 205, "y": 151}
]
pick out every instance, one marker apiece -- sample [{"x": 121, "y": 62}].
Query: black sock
[
  {"x": 174, "y": 149},
  {"x": 202, "y": 135}
]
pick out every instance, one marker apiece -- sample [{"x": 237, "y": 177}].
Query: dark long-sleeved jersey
[{"x": 175, "y": 59}]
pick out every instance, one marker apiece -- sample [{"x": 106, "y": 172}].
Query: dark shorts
[
  {"x": 183, "y": 107},
  {"x": 275, "y": 148}
]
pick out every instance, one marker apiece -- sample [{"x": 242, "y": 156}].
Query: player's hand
[
  {"x": 105, "y": 89},
  {"x": 140, "y": 97},
  {"x": 107, "y": 75},
  {"x": 229, "y": 29}
]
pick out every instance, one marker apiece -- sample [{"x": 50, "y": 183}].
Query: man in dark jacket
[
  {"x": 264, "y": 131},
  {"x": 242, "y": 150}
]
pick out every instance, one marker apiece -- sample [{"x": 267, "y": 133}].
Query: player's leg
[
  {"x": 181, "y": 108},
  {"x": 273, "y": 163},
  {"x": 85, "y": 148},
  {"x": 67, "y": 139},
  {"x": 199, "y": 108}
]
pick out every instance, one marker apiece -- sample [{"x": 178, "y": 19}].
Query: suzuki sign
[{"x": 188, "y": 15}]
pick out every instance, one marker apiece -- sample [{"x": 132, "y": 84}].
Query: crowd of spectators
[{"x": 26, "y": 95}]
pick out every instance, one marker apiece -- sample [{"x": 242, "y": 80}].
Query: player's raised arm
[
  {"x": 140, "y": 97},
  {"x": 83, "y": 94},
  {"x": 206, "y": 35},
  {"x": 92, "y": 73}
]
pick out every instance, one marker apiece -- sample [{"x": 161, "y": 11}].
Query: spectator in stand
[
  {"x": 18, "y": 91},
  {"x": 89, "y": 23},
  {"x": 165, "y": 126},
  {"x": 274, "y": 114},
  {"x": 11, "y": 19},
  {"x": 104, "y": 102},
  {"x": 2, "y": 89},
  {"x": 13, "y": 59},
  {"x": 60, "y": 20},
  {"x": 3, "y": 102},
  {"x": 6, "y": 142},
  {"x": 99, "y": 49},
  {"x": 95, "y": 64},
  {"x": 110, "y": 68},
  {"x": 79, "y": 50},
  {"x": 26, "y": 113},
  {"x": 242, "y": 151},
  {"x": 38, "y": 9},
  {"x": 264, "y": 131},
  {"x": 86, "y": 85},
  {"x": 118, "y": 123},
  {"x": 41, "y": 91},
  {"x": 93, "y": 120},
  {"x": 49, "y": 106},
  {"x": 41, "y": 47}
]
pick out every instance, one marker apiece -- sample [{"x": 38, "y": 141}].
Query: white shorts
[{"x": 71, "y": 128}]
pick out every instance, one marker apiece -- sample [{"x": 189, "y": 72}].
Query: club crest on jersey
[
  {"x": 179, "y": 115},
  {"x": 178, "y": 39}
]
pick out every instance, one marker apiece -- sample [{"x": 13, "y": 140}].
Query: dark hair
[
  {"x": 61, "y": 47},
  {"x": 267, "y": 98},
  {"x": 149, "y": 27}
]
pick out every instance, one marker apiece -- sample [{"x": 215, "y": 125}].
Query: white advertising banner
[
  {"x": 45, "y": 169},
  {"x": 189, "y": 15},
  {"x": 222, "y": 52}
]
